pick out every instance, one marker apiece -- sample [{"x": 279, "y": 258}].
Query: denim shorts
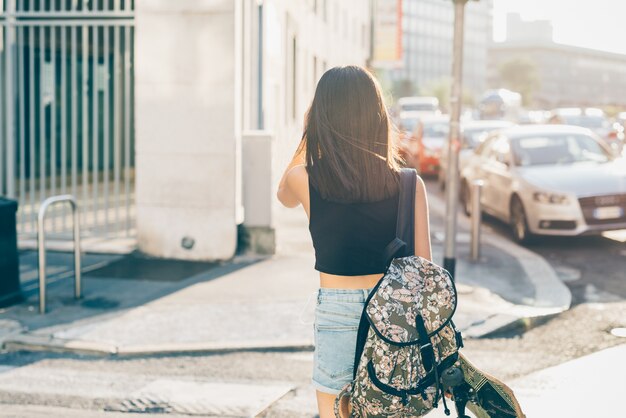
[{"x": 337, "y": 316}]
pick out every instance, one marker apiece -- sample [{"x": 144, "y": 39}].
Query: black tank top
[{"x": 350, "y": 238}]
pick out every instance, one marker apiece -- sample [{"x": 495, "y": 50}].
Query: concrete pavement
[
  {"x": 582, "y": 388},
  {"x": 268, "y": 303}
]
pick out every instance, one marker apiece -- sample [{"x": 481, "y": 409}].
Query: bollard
[
  {"x": 476, "y": 219},
  {"x": 41, "y": 246}
]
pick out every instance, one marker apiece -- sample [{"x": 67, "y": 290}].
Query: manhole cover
[{"x": 619, "y": 332}]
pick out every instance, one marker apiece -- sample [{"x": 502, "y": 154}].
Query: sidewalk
[
  {"x": 582, "y": 388},
  {"x": 265, "y": 304}
]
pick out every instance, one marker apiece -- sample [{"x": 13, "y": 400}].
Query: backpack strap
[
  {"x": 404, "y": 243},
  {"x": 364, "y": 327}
]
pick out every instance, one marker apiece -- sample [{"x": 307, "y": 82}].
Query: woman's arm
[
  {"x": 422, "y": 224},
  {"x": 285, "y": 194}
]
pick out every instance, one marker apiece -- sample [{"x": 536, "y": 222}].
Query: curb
[
  {"x": 26, "y": 342},
  {"x": 551, "y": 295}
]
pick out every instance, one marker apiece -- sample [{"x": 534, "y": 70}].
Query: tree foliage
[
  {"x": 403, "y": 88},
  {"x": 520, "y": 75}
]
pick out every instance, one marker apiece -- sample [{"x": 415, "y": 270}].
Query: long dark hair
[{"x": 350, "y": 156}]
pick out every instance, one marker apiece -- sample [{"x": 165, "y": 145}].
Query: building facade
[
  {"x": 428, "y": 28},
  {"x": 568, "y": 75},
  {"x": 168, "y": 121},
  {"x": 222, "y": 88}
]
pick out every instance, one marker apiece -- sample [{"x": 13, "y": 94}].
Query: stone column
[{"x": 186, "y": 137}]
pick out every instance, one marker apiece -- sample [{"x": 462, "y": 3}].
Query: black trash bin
[{"x": 9, "y": 266}]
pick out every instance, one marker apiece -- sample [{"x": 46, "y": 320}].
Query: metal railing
[
  {"x": 41, "y": 246},
  {"x": 67, "y": 112}
]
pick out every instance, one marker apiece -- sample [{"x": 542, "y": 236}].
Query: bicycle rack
[{"x": 41, "y": 245}]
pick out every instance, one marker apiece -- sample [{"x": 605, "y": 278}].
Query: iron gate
[{"x": 67, "y": 113}]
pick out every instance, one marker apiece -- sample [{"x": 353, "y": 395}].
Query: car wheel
[
  {"x": 466, "y": 199},
  {"x": 519, "y": 223}
]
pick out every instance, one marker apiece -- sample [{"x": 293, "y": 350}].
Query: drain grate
[
  {"x": 147, "y": 405},
  {"x": 142, "y": 406},
  {"x": 197, "y": 398}
]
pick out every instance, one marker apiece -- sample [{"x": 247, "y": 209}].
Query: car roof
[
  {"x": 417, "y": 99},
  {"x": 476, "y": 124},
  {"x": 578, "y": 111},
  {"x": 525, "y": 130},
  {"x": 433, "y": 118}
]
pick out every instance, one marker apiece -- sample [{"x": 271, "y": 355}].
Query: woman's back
[{"x": 350, "y": 238}]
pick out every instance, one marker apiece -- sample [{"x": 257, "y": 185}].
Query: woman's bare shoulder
[
  {"x": 420, "y": 187},
  {"x": 298, "y": 181}
]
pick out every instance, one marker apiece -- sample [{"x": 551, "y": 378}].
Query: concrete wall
[
  {"x": 203, "y": 77},
  {"x": 186, "y": 136},
  {"x": 338, "y": 36}
]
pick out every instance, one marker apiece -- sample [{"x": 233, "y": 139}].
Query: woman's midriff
[{"x": 349, "y": 282}]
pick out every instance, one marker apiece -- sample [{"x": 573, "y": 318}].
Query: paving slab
[{"x": 581, "y": 388}]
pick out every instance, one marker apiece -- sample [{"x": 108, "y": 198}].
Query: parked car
[
  {"x": 422, "y": 148},
  {"x": 548, "y": 180},
  {"x": 594, "y": 119},
  {"x": 472, "y": 135},
  {"x": 427, "y": 105},
  {"x": 407, "y": 123}
]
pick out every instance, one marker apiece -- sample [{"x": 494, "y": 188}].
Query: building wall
[
  {"x": 186, "y": 136},
  {"x": 428, "y": 28},
  {"x": 569, "y": 76},
  {"x": 327, "y": 33},
  {"x": 210, "y": 75}
]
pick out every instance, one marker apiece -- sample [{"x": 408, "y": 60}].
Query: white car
[
  {"x": 422, "y": 104},
  {"x": 472, "y": 134},
  {"x": 549, "y": 180}
]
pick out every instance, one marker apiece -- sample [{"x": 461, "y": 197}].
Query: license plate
[{"x": 609, "y": 212}]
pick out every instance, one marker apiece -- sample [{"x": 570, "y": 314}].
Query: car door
[{"x": 497, "y": 172}]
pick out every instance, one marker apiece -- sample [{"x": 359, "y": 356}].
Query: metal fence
[{"x": 67, "y": 113}]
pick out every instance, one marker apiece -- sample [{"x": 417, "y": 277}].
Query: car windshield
[
  {"x": 436, "y": 129},
  {"x": 420, "y": 107},
  {"x": 557, "y": 149}
]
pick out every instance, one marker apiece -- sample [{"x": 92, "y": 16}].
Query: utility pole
[{"x": 454, "y": 142}]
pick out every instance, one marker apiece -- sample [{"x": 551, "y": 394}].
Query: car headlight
[{"x": 551, "y": 198}]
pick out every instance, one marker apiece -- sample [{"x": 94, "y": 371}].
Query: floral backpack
[{"x": 406, "y": 338}]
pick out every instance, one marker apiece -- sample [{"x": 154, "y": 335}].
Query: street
[{"x": 88, "y": 385}]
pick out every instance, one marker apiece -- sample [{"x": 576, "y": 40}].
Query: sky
[{"x": 596, "y": 24}]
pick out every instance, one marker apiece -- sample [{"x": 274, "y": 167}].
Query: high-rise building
[{"x": 428, "y": 27}]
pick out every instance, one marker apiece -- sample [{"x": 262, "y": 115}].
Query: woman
[{"x": 345, "y": 176}]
